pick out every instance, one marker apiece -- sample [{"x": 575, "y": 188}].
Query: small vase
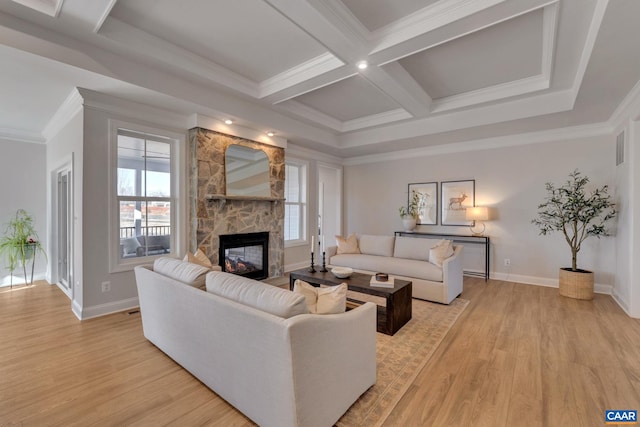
[{"x": 409, "y": 223}]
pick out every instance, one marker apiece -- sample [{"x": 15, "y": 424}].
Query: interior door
[{"x": 64, "y": 229}]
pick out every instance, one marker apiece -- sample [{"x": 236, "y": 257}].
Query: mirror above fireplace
[{"x": 247, "y": 172}]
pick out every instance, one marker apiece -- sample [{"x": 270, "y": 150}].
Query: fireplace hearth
[{"x": 245, "y": 254}]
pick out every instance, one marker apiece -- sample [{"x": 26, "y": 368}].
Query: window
[
  {"x": 145, "y": 187},
  {"x": 295, "y": 206}
]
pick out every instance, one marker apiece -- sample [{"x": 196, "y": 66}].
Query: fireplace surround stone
[{"x": 209, "y": 219}]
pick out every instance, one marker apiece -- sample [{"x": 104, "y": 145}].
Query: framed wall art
[
  {"x": 456, "y": 197},
  {"x": 428, "y": 202}
]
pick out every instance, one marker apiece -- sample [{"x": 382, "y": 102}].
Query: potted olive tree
[
  {"x": 409, "y": 215},
  {"x": 579, "y": 214},
  {"x": 20, "y": 244}
]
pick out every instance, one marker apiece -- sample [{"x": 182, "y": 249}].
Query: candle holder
[
  {"x": 311, "y": 268},
  {"x": 324, "y": 266}
]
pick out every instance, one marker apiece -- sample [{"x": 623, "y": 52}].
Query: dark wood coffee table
[{"x": 390, "y": 318}]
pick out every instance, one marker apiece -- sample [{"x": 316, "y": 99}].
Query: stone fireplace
[{"x": 213, "y": 214}]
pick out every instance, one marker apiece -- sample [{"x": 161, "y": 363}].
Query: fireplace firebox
[{"x": 245, "y": 254}]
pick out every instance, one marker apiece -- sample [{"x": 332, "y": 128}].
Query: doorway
[
  {"x": 64, "y": 228},
  {"x": 329, "y": 203}
]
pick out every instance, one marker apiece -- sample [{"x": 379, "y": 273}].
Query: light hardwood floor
[{"x": 518, "y": 356}]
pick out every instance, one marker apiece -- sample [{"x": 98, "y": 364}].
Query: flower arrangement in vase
[{"x": 20, "y": 243}]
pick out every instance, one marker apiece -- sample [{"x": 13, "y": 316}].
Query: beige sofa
[
  {"x": 253, "y": 344},
  {"x": 406, "y": 258}
]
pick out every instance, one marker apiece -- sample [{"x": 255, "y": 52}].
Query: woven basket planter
[{"x": 576, "y": 284}]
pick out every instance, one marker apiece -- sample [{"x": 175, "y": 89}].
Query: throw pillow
[
  {"x": 329, "y": 300},
  {"x": 441, "y": 251},
  {"x": 199, "y": 258},
  {"x": 130, "y": 245},
  {"x": 347, "y": 245}
]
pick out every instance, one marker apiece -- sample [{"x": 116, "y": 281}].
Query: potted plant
[
  {"x": 409, "y": 215},
  {"x": 20, "y": 243},
  {"x": 578, "y": 214}
]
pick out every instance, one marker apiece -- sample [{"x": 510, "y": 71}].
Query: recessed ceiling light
[
  {"x": 362, "y": 65},
  {"x": 270, "y": 133},
  {"x": 228, "y": 121}
]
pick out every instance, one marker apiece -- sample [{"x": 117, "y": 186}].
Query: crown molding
[
  {"x": 71, "y": 106},
  {"x": 131, "y": 110},
  {"x": 515, "y": 140},
  {"x": 425, "y": 20},
  {"x": 309, "y": 113},
  {"x": 629, "y": 108},
  {"x": 205, "y": 122},
  {"x": 492, "y": 93},
  {"x": 376, "y": 119},
  {"x": 303, "y": 153},
  {"x": 18, "y": 135}
]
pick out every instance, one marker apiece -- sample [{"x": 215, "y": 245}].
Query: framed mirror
[{"x": 247, "y": 172}]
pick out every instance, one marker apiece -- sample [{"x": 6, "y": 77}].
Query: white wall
[
  {"x": 23, "y": 186},
  {"x": 95, "y": 203},
  {"x": 510, "y": 180}
]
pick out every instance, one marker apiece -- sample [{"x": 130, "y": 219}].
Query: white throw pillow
[
  {"x": 199, "y": 258},
  {"x": 441, "y": 251},
  {"x": 328, "y": 300},
  {"x": 186, "y": 272},
  {"x": 347, "y": 245}
]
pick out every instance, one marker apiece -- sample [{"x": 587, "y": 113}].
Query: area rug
[{"x": 400, "y": 358}]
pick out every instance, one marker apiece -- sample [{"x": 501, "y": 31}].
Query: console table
[{"x": 459, "y": 238}]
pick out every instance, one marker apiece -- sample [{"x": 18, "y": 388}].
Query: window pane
[
  {"x": 158, "y": 167},
  {"x": 145, "y": 228},
  {"x": 292, "y": 222},
  {"x": 131, "y": 162},
  {"x": 292, "y": 183},
  {"x": 126, "y": 182}
]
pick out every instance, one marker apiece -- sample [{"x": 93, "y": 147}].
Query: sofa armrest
[
  {"x": 334, "y": 361},
  {"x": 452, "y": 273}
]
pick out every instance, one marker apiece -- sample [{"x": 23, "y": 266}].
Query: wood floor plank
[{"x": 518, "y": 355}]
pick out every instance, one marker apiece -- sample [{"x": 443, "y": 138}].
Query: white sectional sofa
[
  {"x": 255, "y": 346},
  {"x": 406, "y": 258}
]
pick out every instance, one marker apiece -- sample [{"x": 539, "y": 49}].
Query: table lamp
[{"x": 477, "y": 214}]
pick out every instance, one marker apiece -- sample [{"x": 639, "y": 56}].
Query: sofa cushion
[
  {"x": 199, "y": 258},
  {"x": 413, "y": 248},
  {"x": 376, "y": 245},
  {"x": 185, "y": 272},
  {"x": 323, "y": 300},
  {"x": 347, "y": 245},
  {"x": 277, "y": 301},
  {"x": 440, "y": 252},
  {"x": 396, "y": 266}
]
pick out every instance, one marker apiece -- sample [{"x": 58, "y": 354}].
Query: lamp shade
[{"x": 477, "y": 213}]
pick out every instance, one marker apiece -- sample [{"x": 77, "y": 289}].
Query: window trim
[
  {"x": 178, "y": 194},
  {"x": 304, "y": 232}
]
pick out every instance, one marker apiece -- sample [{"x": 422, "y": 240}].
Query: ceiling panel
[
  {"x": 502, "y": 53},
  {"x": 348, "y": 99},
  {"x": 257, "y": 45},
  {"x": 375, "y": 14}
]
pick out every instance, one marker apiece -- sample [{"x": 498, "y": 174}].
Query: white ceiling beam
[
  {"x": 318, "y": 21},
  {"x": 396, "y": 82},
  {"x": 311, "y": 84},
  {"x": 89, "y": 14},
  {"x": 141, "y": 43}
]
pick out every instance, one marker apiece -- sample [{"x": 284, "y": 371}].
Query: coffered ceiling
[{"x": 439, "y": 71}]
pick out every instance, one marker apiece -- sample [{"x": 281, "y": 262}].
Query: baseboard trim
[
  {"x": 84, "y": 313},
  {"x": 545, "y": 281}
]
